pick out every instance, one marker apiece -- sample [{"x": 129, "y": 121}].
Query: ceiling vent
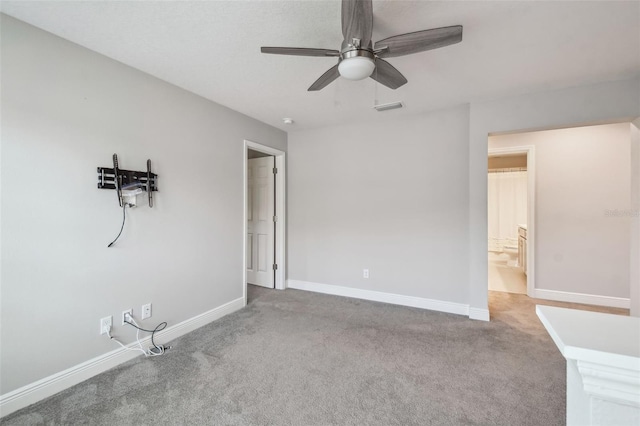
[{"x": 386, "y": 107}]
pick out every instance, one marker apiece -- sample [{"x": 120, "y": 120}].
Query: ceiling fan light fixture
[{"x": 356, "y": 68}]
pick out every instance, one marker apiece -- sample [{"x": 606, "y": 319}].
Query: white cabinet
[
  {"x": 522, "y": 247},
  {"x": 603, "y": 364}
]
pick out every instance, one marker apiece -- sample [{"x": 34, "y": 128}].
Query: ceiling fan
[{"x": 360, "y": 58}]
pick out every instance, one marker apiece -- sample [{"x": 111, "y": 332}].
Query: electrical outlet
[
  {"x": 365, "y": 273},
  {"x": 146, "y": 311},
  {"x": 105, "y": 325},
  {"x": 127, "y": 316}
]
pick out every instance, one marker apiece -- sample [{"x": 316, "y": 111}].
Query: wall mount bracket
[{"x": 119, "y": 179}]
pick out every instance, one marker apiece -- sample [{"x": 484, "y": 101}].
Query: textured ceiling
[{"x": 212, "y": 48}]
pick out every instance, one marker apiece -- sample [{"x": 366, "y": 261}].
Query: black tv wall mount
[{"x": 123, "y": 180}]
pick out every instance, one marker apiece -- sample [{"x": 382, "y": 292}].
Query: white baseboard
[
  {"x": 479, "y": 314},
  {"x": 395, "y": 299},
  {"x": 55, "y": 383},
  {"x": 587, "y": 299}
]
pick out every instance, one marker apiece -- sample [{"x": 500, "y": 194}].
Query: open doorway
[
  {"x": 261, "y": 224},
  {"x": 582, "y": 219},
  {"x": 264, "y": 217},
  {"x": 510, "y": 219}
]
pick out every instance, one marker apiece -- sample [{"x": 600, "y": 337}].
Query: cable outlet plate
[
  {"x": 146, "y": 311},
  {"x": 125, "y": 316},
  {"x": 105, "y": 325}
]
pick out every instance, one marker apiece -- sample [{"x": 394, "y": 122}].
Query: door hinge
[
  {"x": 275, "y": 266},
  {"x": 275, "y": 170},
  {"x": 275, "y": 218}
]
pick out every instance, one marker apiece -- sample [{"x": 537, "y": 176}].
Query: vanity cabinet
[{"x": 522, "y": 247}]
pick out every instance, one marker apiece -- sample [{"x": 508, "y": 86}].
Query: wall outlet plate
[
  {"x": 146, "y": 311},
  {"x": 105, "y": 324},
  {"x": 365, "y": 273},
  {"x": 124, "y": 315}
]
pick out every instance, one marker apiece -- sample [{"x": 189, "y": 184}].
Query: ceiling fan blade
[
  {"x": 357, "y": 21},
  {"x": 326, "y": 78},
  {"x": 386, "y": 74},
  {"x": 299, "y": 51},
  {"x": 406, "y": 44}
]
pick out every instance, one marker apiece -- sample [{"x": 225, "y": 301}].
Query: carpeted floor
[{"x": 299, "y": 358}]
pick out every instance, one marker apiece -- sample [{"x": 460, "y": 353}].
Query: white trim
[
  {"x": 587, "y": 299},
  {"x": 611, "y": 383},
  {"x": 395, "y": 299},
  {"x": 280, "y": 213},
  {"x": 529, "y": 150},
  {"x": 479, "y": 314},
  {"x": 37, "y": 391}
]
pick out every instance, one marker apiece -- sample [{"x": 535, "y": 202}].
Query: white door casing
[{"x": 260, "y": 221}]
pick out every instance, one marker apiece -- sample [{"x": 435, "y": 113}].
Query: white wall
[
  {"x": 604, "y": 102},
  {"x": 400, "y": 210},
  {"x": 65, "y": 111},
  {"x": 581, "y": 174},
  {"x": 634, "y": 274}
]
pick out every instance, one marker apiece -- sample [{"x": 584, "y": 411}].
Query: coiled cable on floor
[{"x": 155, "y": 349}]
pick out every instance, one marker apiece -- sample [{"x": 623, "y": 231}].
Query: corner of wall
[{"x": 634, "y": 273}]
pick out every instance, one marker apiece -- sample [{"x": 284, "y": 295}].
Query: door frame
[
  {"x": 279, "y": 212},
  {"x": 529, "y": 150}
]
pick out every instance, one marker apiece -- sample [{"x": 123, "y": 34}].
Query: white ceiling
[{"x": 212, "y": 48}]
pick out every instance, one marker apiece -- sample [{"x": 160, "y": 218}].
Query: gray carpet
[{"x": 300, "y": 358}]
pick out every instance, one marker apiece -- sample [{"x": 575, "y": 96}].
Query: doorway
[
  {"x": 264, "y": 217},
  {"x": 261, "y": 226},
  {"x": 510, "y": 201}
]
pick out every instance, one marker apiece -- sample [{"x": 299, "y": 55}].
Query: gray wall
[
  {"x": 344, "y": 217},
  {"x": 581, "y": 173},
  {"x": 400, "y": 210},
  {"x": 65, "y": 111}
]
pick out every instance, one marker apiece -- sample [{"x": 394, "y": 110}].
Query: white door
[{"x": 260, "y": 221}]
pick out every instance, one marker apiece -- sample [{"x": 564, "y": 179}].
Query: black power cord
[
  {"x": 124, "y": 217},
  {"x": 159, "y": 327}
]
